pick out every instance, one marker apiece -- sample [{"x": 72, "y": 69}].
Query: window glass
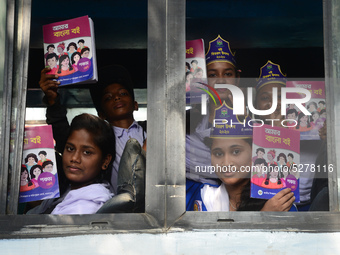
[
  {"x": 120, "y": 39},
  {"x": 255, "y": 47}
]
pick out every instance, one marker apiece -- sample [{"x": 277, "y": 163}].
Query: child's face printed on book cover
[
  {"x": 52, "y": 62},
  {"x": 86, "y": 54},
  {"x": 230, "y": 155},
  {"x": 117, "y": 103}
]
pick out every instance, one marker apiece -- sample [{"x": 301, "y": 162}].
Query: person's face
[
  {"x": 42, "y": 157},
  {"x": 231, "y": 152},
  {"x": 50, "y": 50},
  {"x": 291, "y": 116},
  {"x": 52, "y": 62},
  {"x": 315, "y": 116},
  {"x": 65, "y": 62},
  {"x": 81, "y": 44},
  {"x": 189, "y": 77},
  {"x": 282, "y": 160},
  {"x": 117, "y": 103},
  {"x": 303, "y": 120},
  {"x": 199, "y": 75},
  {"x": 264, "y": 100},
  {"x": 274, "y": 173},
  {"x": 24, "y": 175},
  {"x": 222, "y": 73},
  {"x": 82, "y": 158},
  {"x": 290, "y": 159},
  {"x": 323, "y": 115},
  {"x": 76, "y": 58},
  {"x": 71, "y": 48},
  {"x": 270, "y": 157},
  {"x": 260, "y": 154},
  {"x": 194, "y": 65},
  {"x": 85, "y": 54},
  {"x": 31, "y": 161},
  {"x": 48, "y": 168},
  {"x": 321, "y": 106},
  {"x": 36, "y": 172},
  {"x": 311, "y": 108},
  {"x": 60, "y": 50}
]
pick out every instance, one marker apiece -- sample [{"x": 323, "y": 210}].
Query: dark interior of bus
[{"x": 289, "y": 33}]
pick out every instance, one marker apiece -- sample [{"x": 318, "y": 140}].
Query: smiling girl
[
  {"x": 230, "y": 157},
  {"x": 65, "y": 67}
]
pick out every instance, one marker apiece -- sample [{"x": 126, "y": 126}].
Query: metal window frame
[{"x": 165, "y": 180}]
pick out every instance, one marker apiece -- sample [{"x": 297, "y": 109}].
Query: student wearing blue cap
[
  {"x": 271, "y": 77},
  {"x": 230, "y": 156},
  {"x": 221, "y": 69}
]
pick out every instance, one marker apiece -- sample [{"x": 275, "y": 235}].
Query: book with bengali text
[
  {"x": 69, "y": 50},
  {"x": 195, "y": 71},
  {"x": 39, "y": 175},
  {"x": 307, "y": 125},
  {"x": 275, "y": 161}
]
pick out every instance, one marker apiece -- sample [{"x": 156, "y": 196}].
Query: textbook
[
  {"x": 308, "y": 126},
  {"x": 275, "y": 161},
  {"x": 38, "y": 177},
  {"x": 70, "y": 50},
  {"x": 195, "y": 71}
]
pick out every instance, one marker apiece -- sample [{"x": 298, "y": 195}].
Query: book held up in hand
[
  {"x": 275, "y": 161},
  {"x": 70, "y": 51}
]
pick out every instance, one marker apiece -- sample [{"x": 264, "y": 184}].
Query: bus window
[
  {"x": 244, "y": 50},
  {"x": 120, "y": 36}
]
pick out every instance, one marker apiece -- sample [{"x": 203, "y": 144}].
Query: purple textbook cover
[
  {"x": 38, "y": 177},
  {"x": 308, "y": 126},
  {"x": 195, "y": 70},
  {"x": 275, "y": 162},
  {"x": 70, "y": 51}
]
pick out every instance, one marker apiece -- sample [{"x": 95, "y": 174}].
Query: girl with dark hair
[
  {"x": 35, "y": 171},
  {"x": 31, "y": 160},
  {"x": 65, "y": 67},
  {"x": 231, "y": 157},
  {"x": 71, "y": 48},
  {"x": 87, "y": 163},
  {"x": 75, "y": 59},
  {"x": 303, "y": 123},
  {"x": 25, "y": 182},
  {"x": 273, "y": 180}
]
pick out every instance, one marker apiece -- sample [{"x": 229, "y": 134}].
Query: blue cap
[
  {"x": 240, "y": 130},
  {"x": 270, "y": 73},
  {"x": 219, "y": 51}
]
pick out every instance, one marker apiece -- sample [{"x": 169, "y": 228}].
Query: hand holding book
[
  {"x": 281, "y": 202},
  {"x": 49, "y": 85}
]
